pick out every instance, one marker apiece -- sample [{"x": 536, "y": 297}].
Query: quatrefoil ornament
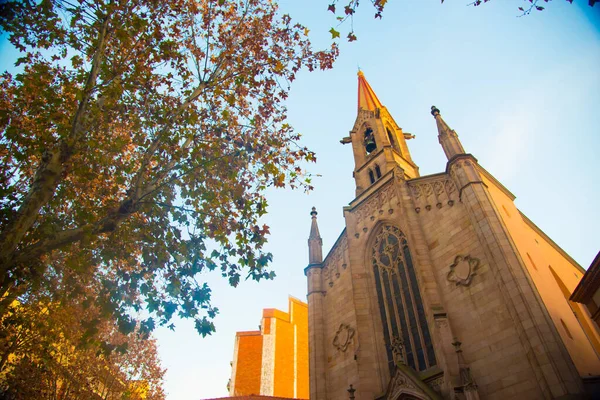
[
  {"x": 343, "y": 337},
  {"x": 463, "y": 269}
]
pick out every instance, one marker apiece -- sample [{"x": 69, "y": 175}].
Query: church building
[{"x": 439, "y": 287}]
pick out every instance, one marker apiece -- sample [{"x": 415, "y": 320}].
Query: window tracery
[{"x": 400, "y": 303}]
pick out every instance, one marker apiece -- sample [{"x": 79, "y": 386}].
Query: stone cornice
[
  {"x": 372, "y": 190},
  {"x": 427, "y": 177},
  {"x": 310, "y": 266},
  {"x": 464, "y": 156},
  {"x": 370, "y": 159},
  {"x": 337, "y": 241}
]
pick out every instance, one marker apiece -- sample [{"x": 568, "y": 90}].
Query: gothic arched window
[
  {"x": 392, "y": 141},
  {"x": 371, "y": 176},
  {"x": 377, "y": 171},
  {"x": 400, "y": 304}
]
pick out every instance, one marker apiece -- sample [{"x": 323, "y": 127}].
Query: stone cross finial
[
  {"x": 435, "y": 111},
  {"x": 351, "y": 391},
  {"x": 314, "y": 212}
]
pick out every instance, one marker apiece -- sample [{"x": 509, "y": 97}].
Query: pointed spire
[
  {"x": 315, "y": 243},
  {"x": 447, "y": 136},
  {"x": 367, "y": 99},
  {"x": 441, "y": 124},
  {"x": 314, "y": 228}
]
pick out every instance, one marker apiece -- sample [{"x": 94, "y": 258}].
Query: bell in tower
[{"x": 370, "y": 144}]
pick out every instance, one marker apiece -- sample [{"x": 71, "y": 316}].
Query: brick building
[
  {"x": 439, "y": 287},
  {"x": 274, "y": 360}
]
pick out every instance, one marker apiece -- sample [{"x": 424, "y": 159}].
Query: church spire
[
  {"x": 315, "y": 243},
  {"x": 367, "y": 99},
  {"x": 378, "y": 142},
  {"x": 447, "y": 136}
]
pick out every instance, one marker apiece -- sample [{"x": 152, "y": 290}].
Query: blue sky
[{"x": 522, "y": 93}]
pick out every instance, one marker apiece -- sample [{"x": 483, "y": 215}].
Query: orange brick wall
[
  {"x": 248, "y": 363},
  {"x": 301, "y": 322},
  {"x": 284, "y": 360},
  {"x": 291, "y": 351},
  {"x": 287, "y": 333}
]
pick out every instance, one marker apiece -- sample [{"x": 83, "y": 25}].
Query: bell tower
[{"x": 378, "y": 143}]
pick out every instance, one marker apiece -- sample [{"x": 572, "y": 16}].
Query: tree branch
[{"x": 50, "y": 171}]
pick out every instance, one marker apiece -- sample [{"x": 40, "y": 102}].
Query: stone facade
[
  {"x": 274, "y": 360},
  {"x": 439, "y": 287}
]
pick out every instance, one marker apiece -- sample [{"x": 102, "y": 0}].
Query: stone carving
[
  {"x": 397, "y": 348},
  {"x": 343, "y": 337},
  {"x": 399, "y": 174},
  {"x": 400, "y": 384},
  {"x": 363, "y": 116},
  {"x": 436, "y": 383},
  {"x": 456, "y": 170},
  {"x": 468, "y": 386},
  {"x": 351, "y": 391},
  {"x": 463, "y": 269},
  {"x": 403, "y": 386},
  {"x": 375, "y": 202},
  {"x": 335, "y": 261},
  {"x": 438, "y": 192}
]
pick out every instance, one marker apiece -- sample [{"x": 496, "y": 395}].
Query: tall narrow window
[
  {"x": 377, "y": 171},
  {"x": 392, "y": 141},
  {"x": 400, "y": 303},
  {"x": 531, "y": 261},
  {"x": 371, "y": 176}
]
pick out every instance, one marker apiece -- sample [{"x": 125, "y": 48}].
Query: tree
[
  {"x": 136, "y": 144},
  {"x": 349, "y": 7},
  {"x": 47, "y": 353}
]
